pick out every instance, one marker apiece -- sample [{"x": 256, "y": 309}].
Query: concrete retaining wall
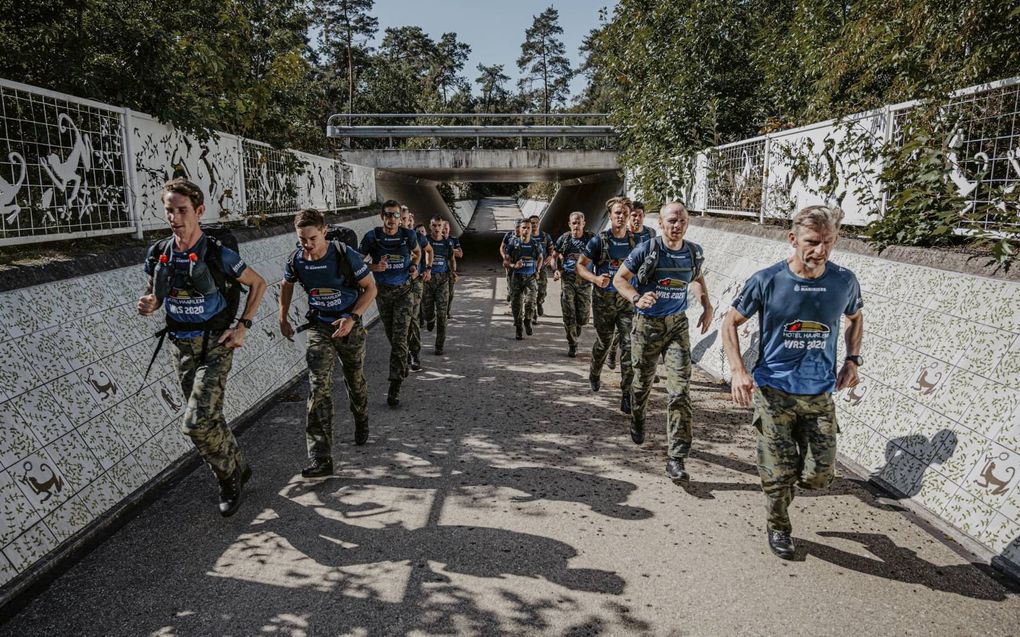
[
  {"x": 420, "y": 195},
  {"x": 936, "y": 417},
  {"x": 79, "y": 432}
]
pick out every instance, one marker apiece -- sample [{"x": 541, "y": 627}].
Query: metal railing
[
  {"x": 771, "y": 175},
  {"x": 478, "y": 126},
  {"x": 72, "y": 167}
]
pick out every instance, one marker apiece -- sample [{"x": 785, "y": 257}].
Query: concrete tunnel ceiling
[{"x": 587, "y": 178}]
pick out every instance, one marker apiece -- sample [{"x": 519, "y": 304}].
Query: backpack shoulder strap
[
  {"x": 697, "y": 257},
  {"x": 293, "y": 265},
  {"x": 343, "y": 263}
]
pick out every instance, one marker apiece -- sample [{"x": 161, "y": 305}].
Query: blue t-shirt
[
  {"x": 182, "y": 303},
  {"x": 645, "y": 234},
  {"x": 545, "y": 242},
  {"x": 571, "y": 249},
  {"x": 393, "y": 250},
  {"x": 455, "y": 242},
  {"x": 617, "y": 251},
  {"x": 530, "y": 253},
  {"x": 799, "y": 325},
  {"x": 673, "y": 273},
  {"x": 442, "y": 252},
  {"x": 328, "y": 292}
]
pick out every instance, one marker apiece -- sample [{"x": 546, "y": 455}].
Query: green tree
[
  {"x": 543, "y": 61},
  {"x": 346, "y": 27},
  {"x": 491, "y": 81}
]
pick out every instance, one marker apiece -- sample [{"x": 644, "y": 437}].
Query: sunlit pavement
[{"x": 503, "y": 497}]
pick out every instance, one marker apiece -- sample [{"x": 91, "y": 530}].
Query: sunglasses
[{"x": 391, "y": 213}]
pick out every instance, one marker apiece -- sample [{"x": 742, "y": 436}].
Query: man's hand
[
  {"x": 556, "y": 275},
  {"x": 148, "y": 304},
  {"x": 742, "y": 387},
  {"x": 233, "y": 338},
  {"x": 377, "y": 267},
  {"x": 426, "y": 276},
  {"x": 413, "y": 272},
  {"x": 287, "y": 330},
  {"x": 705, "y": 321},
  {"x": 646, "y": 301},
  {"x": 456, "y": 277},
  {"x": 847, "y": 376},
  {"x": 519, "y": 264},
  {"x": 343, "y": 326},
  {"x": 603, "y": 281}
]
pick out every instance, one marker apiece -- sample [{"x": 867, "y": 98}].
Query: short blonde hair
[
  {"x": 818, "y": 217},
  {"x": 577, "y": 214},
  {"x": 624, "y": 201}
]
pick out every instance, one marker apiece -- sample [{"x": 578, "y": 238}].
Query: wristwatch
[
  {"x": 634, "y": 299},
  {"x": 247, "y": 323},
  {"x": 354, "y": 316},
  {"x": 856, "y": 359}
]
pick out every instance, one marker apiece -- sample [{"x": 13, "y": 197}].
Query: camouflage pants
[
  {"x": 449, "y": 301},
  {"x": 575, "y": 303},
  {"x": 651, "y": 337},
  {"x": 203, "y": 384},
  {"x": 435, "y": 303},
  {"x": 522, "y": 298},
  {"x": 414, "y": 330},
  {"x": 543, "y": 287},
  {"x": 395, "y": 304},
  {"x": 509, "y": 282},
  {"x": 796, "y": 446},
  {"x": 610, "y": 311},
  {"x": 321, "y": 357}
]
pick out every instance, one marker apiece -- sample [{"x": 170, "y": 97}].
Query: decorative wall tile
[
  {"x": 7, "y": 571},
  {"x": 954, "y": 398},
  {"x": 971, "y": 448},
  {"x": 77, "y": 351},
  {"x": 173, "y": 441},
  {"x": 75, "y": 398},
  {"x": 936, "y": 491},
  {"x": 16, "y": 510},
  {"x": 1007, "y": 372},
  {"x": 102, "y": 385},
  {"x": 994, "y": 477},
  {"x": 968, "y": 514},
  {"x": 27, "y": 548},
  {"x": 982, "y": 347},
  {"x": 16, "y": 320},
  {"x": 151, "y": 459},
  {"x": 42, "y": 481},
  {"x": 16, "y": 439},
  {"x": 44, "y": 414},
  {"x": 69, "y": 518},
  {"x": 128, "y": 474},
  {"x": 98, "y": 334},
  {"x": 101, "y": 494},
  {"x": 16, "y": 373},
  {"x": 44, "y": 351},
  {"x": 995, "y": 407},
  {"x": 1001, "y": 532},
  {"x": 102, "y": 440},
  {"x": 129, "y": 425},
  {"x": 77, "y": 463}
]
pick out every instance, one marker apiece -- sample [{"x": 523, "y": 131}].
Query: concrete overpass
[{"x": 586, "y": 177}]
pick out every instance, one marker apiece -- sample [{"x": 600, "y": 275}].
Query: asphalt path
[{"x": 504, "y": 497}]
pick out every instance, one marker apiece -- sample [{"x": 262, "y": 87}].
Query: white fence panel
[{"x": 162, "y": 153}]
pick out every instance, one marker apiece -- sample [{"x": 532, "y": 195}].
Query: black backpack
[
  {"x": 646, "y": 272},
  {"x": 218, "y": 236},
  {"x": 604, "y": 252},
  {"x": 343, "y": 264}
]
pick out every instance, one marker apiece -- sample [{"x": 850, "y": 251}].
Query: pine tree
[
  {"x": 543, "y": 60},
  {"x": 344, "y": 24}
]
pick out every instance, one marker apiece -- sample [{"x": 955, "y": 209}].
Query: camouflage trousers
[
  {"x": 610, "y": 311},
  {"x": 575, "y": 303},
  {"x": 651, "y": 337},
  {"x": 203, "y": 385},
  {"x": 796, "y": 446},
  {"x": 435, "y": 304},
  {"x": 509, "y": 282},
  {"x": 449, "y": 301},
  {"x": 414, "y": 329},
  {"x": 395, "y": 303},
  {"x": 543, "y": 287},
  {"x": 321, "y": 357},
  {"x": 522, "y": 298}
]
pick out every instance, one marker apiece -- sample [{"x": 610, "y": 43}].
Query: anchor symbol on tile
[
  {"x": 988, "y": 478},
  {"x": 926, "y": 382},
  {"x": 54, "y": 481},
  {"x": 169, "y": 399},
  {"x": 855, "y": 395},
  {"x": 107, "y": 388}
]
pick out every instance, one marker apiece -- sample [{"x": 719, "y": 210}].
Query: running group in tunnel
[{"x": 633, "y": 282}]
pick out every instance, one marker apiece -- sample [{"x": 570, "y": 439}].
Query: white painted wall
[{"x": 942, "y": 363}]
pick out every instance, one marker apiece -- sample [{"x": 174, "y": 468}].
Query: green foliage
[{"x": 544, "y": 66}]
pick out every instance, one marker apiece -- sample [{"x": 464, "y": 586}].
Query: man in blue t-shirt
[
  {"x": 395, "y": 255},
  {"x": 523, "y": 256},
  {"x": 435, "y": 300},
  {"x": 609, "y": 311},
  {"x": 664, "y": 269},
  {"x": 340, "y": 290},
  {"x": 194, "y": 276},
  {"x": 799, "y": 303},
  {"x": 575, "y": 292},
  {"x": 641, "y": 233},
  {"x": 545, "y": 240},
  {"x": 509, "y": 236},
  {"x": 458, "y": 253},
  {"x": 417, "y": 289}
]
